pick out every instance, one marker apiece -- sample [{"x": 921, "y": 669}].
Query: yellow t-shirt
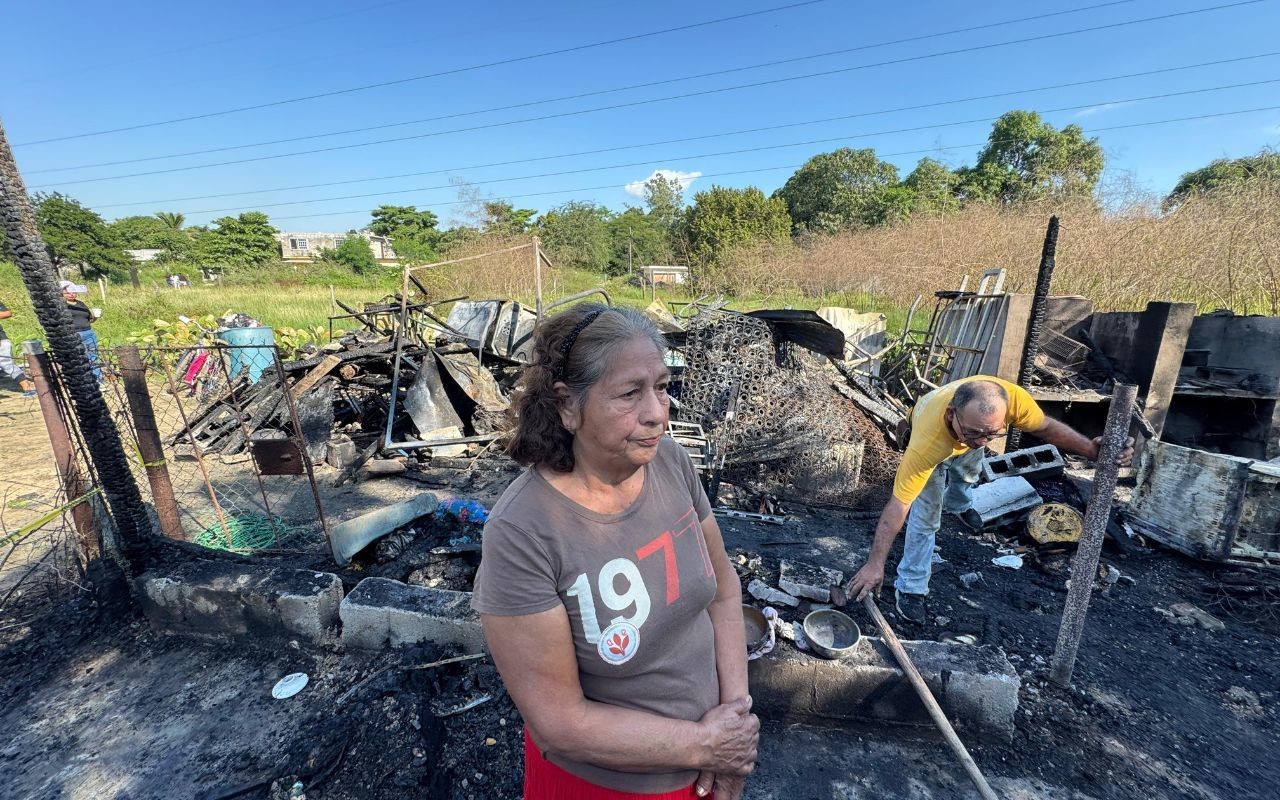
[{"x": 932, "y": 442}]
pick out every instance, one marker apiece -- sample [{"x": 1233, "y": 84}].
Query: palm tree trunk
[{"x": 97, "y": 427}]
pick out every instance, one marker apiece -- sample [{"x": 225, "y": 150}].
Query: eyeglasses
[{"x": 973, "y": 436}]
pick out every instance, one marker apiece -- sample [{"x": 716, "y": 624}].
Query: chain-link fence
[{"x": 222, "y": 445}]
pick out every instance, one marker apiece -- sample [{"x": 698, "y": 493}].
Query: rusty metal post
[
  {"x": 48, "y": 391},
  {"x": 149, "y": 446},
  {"x": 302, "y": 446},
  {"x": 204, "y": 470},
  {"x": 1084, "y": 567},
  {"x": 537, "y": 276}
]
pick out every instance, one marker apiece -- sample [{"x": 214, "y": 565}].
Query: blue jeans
[
  {"x": 90, "y": 340},
  {"x": 950, "y": 489}
]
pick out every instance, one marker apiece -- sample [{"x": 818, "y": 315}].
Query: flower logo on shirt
[{"x": 618, "y": 643}]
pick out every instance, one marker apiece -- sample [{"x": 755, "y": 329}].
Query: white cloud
[
  {"x": 1091, "y": 110},
  {"x": 685, "y": 179}
]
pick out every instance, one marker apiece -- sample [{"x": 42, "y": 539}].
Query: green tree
[
  {"x": 840, "y": 190},
  {"x": 353, "y": 252},
  {"x": 503, "y": 218},
  {"x": 1225, "y": 172},
  {"x": 933, "y": 186},
  {"x": 664, "y": 200},
  {"x": 576, "y": 235},
  {"x": 171, "y": 219},
  {"x": 413, "y": 233},
  {"x": 244, "y": 241},
  {"x": 1026, "y": 159},
  {"x": 637, "y": 239},
  {"x": 151, "y": 233},
  {"x": 78, "y": 237},
  {"x": 721, "y": 218}
]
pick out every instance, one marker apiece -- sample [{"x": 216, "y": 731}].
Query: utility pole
[{"x": 629, "y": 273}]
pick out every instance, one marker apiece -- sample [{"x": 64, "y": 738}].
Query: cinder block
[
  {"x": 1043, "y": 461},
  {"x": 1003, "y": 497},
  {"x": 807, "y": 580},
  {"x": 977, "y": 687},
  {"x": 213, "y": 599},
  {"x": 381, "y": 612}
]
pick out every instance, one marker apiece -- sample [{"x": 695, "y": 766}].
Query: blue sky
[{"x": 129, "y": 63}]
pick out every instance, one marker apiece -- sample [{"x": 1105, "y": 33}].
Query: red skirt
[{"x": 546, "y": 781}]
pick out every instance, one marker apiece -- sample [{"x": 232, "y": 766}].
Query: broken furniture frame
[{"x": 952, "y": 346}]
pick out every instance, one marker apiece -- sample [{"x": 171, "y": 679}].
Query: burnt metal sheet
[
  {"x": 276, "y": 456},
  {"x": 1207, "y": 505},
  {"x": 804, "y": 328},
  {"x": 475, "y": 319},
  {"x": 476, "y": 381},
  {"x": 427, "y": 403}
]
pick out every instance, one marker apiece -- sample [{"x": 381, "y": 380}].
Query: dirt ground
[
  {"x": 28, "y": 482},
  {"x": 95, "y": 705}
]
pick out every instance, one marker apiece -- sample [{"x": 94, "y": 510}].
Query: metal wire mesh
[
  {"x": 211, "y": 422},
  {"x": 774, "y": 416}
]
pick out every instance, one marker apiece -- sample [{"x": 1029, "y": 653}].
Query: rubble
[
  {"x": 808, "y": 581},
  {"x": 767, "y": 594}
]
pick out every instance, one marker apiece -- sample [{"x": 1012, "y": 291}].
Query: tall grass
[{"x": 1217, "y": 251}]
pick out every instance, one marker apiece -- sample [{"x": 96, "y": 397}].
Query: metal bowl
[
  {"x": 832, "y": 634},
  {"x": 757, "y": 627}
]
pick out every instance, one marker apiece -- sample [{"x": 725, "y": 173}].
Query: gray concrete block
[
  {"x": 807, "y": 580},
  {"x": 213, "y": 599},
  {"x": 381, "y": 612},
  {"x": 1043, "y": 461},
  {"x": 1004, "y": 497},
  {"x": 977, "y": 687}
]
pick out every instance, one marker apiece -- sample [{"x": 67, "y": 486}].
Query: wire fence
[{"x": 217, "y": 447}]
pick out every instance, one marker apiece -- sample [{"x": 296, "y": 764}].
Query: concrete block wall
[
  {"x": 977, "y": 687},
  {"x": 214, "y": 599}
]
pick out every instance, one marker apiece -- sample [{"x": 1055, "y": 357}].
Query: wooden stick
[
  {"x": 930, "y": 704},
  {"x": 316, "y": 374},
  {"x": 405, "y": 668}
]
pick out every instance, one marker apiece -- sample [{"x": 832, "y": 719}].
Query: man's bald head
[{"x": 982, "y": 399}]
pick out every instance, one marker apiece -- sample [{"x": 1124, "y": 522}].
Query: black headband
[{"x": 567, "y": 345}]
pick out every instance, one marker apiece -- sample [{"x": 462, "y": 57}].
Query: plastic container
[{"x": 249, "y": 347}]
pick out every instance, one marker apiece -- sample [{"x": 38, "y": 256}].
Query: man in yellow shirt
[{"x": 950, "y": 429}]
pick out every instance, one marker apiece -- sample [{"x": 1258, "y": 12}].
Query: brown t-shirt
[{"x": 636, "y": 586}]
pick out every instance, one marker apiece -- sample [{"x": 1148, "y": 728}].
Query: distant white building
[
  {"x": 669, "y": 274},
  {"x": 144, "y": 255},
  {"x": 302, "y": 248}
]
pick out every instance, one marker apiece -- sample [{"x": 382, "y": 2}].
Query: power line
[
  {"x": 685, "y": 139},
  {"x": 582, "y": 95},
  {"x": 633, "y": 104},
  {"x": 442, "y": 73},
  {"x": 293, "y": 25},
  {"x": 383, "y": 46},
  {"x": 742, "y": 151},
  {"x": 1193, "y": 118}
]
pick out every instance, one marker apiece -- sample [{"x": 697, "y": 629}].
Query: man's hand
[
  {"x": 868, "y": 579},
  {"x": 1124, "y": 459}
]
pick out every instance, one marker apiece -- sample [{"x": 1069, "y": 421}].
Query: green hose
[{"x": 243, "y": 534}]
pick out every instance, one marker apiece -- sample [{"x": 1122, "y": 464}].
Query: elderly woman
[{"x": 609, "y": 604}]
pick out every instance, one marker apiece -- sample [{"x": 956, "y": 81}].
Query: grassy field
[
  {"x": 285, "y": 298},
  {"x": 1219, "y": 251}
]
